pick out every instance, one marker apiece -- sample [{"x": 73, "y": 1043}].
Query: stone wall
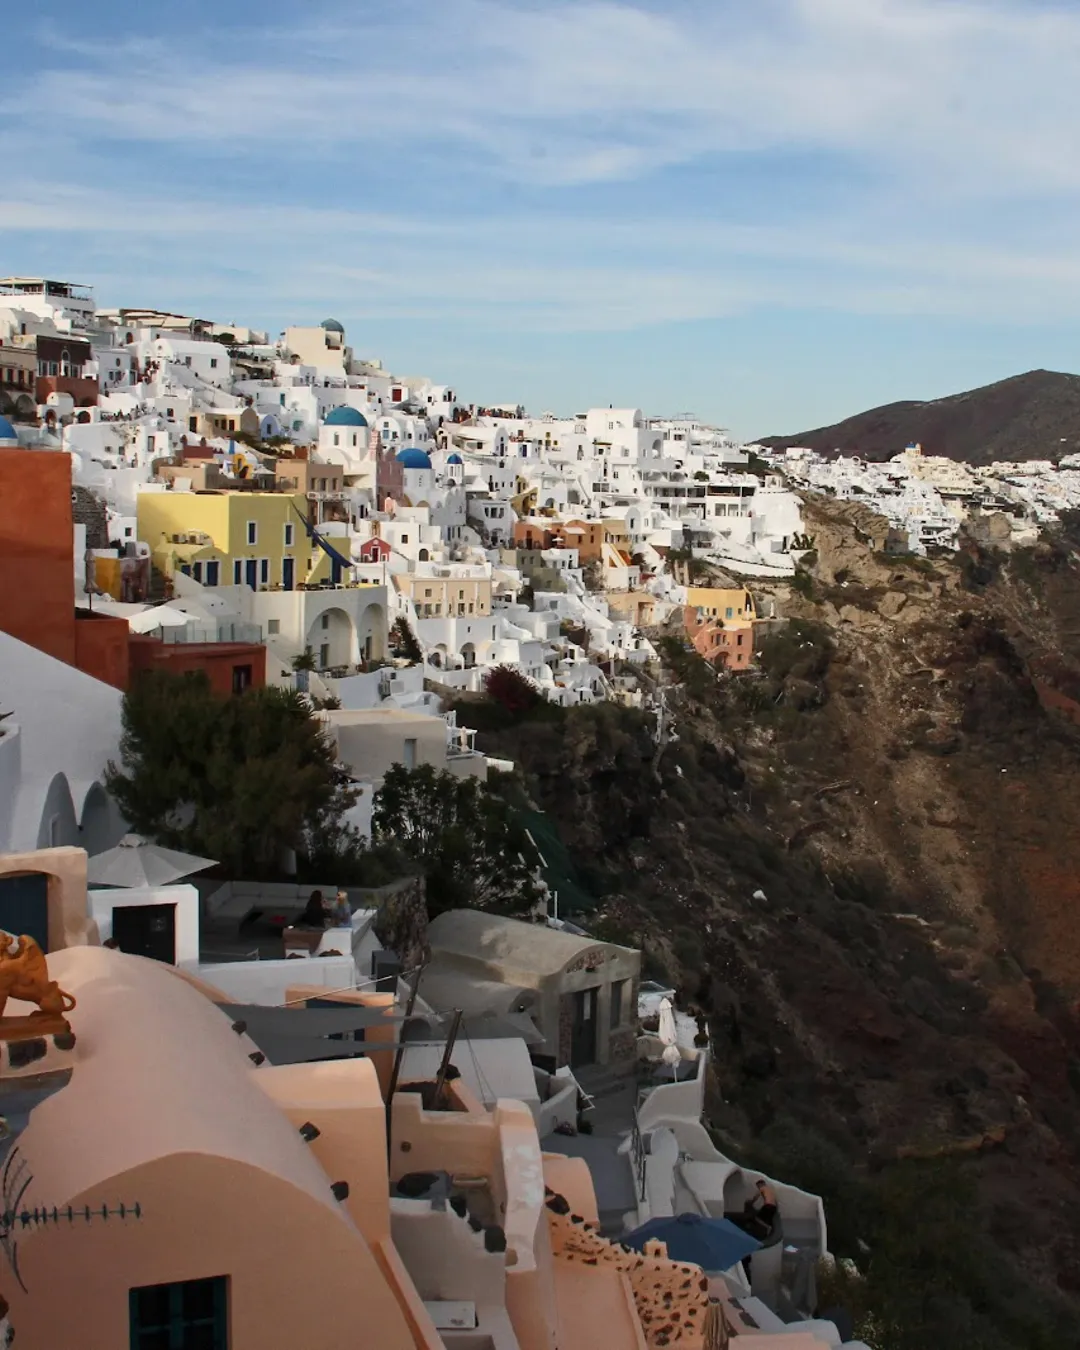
[
  {"x": 401, "y": 923},
  {"x": 88, "y": 509},
  {"x": 671, "y": 1298}
]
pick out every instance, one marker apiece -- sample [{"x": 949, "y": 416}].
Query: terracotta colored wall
[
  {"x": 37, "y": 598},
  {"x": 205, "y": 1216},
  {"x": 217, "y": 659},
  {"x": 590, "y": 544},
  {"x": 82, "y": 388},
  {"x": 528, "y": 535},
  {"x": 101, "y": 649}
]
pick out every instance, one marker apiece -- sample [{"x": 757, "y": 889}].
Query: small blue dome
[
  {"x": 453, "y": 459},
  {"x": 7, "y": 431},
  {"x": 411, "y": 458},
  {"x": 345, "y": 417},
  {"x": 332, "y": 326}
]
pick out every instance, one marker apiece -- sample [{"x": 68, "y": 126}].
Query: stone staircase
[{"x": 159, "y": 585}]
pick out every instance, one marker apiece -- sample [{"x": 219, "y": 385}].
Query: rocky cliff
[{"x": 864, "y": 863}]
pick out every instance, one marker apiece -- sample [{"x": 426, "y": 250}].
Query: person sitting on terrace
[
  {"x": 341, "y": 910},
  {"x": 314, "y": 915},
  {"x": 759, "y": 1213}
]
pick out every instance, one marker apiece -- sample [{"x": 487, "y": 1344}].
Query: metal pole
[
  {"x": 395, "y": 1072},
  {"x": 440, "y": 1080}
]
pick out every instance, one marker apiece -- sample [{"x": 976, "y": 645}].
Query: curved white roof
[{"x": 506, "y": 944}]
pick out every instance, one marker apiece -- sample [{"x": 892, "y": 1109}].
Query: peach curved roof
[{"x": 158, "y": 1071}]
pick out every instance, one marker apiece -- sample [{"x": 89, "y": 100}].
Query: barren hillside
[
  {"x": 1032, "y": 416},
  {"x": 865, "y": 864}
]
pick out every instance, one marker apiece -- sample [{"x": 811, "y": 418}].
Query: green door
[
  {"x": 24, "y": 906},
  {"x": 191, "y": 1315}
]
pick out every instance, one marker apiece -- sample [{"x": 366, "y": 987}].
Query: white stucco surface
[{"x": 66, "y": 727}]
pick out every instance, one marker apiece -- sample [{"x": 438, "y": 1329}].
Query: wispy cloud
[
  {"x": 557, "y": 165},
  {"x": 978, "y": 96}
]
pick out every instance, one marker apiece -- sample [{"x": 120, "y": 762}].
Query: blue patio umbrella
[{"x": 712, "y": 1244}]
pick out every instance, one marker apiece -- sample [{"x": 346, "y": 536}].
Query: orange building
[{"x": 587, "y": 536}]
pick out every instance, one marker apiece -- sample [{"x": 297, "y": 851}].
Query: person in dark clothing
[
  {"x": 314, "y": 915},
  {"x": 759, "y": 1212}
]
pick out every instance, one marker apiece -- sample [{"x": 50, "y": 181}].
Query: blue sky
[{"x": 769, "y": 213}]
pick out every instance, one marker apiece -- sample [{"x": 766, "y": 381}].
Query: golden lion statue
[{"x": 24, "y": 975}]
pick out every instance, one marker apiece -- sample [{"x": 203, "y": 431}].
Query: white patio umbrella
[
  {"x": 159, "y": 616},
  {"x": 669, "y": 1035},
  {"x": 136, "y": 861}
]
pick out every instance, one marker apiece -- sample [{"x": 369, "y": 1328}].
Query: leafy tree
[
  {"x": 467, "y": 840},
  {"x": 508, "y": 686},
  {"x": 403, "y": 641},
  {"x": 236, "y": 779}
]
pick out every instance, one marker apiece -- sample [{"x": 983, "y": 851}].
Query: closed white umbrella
[
  {"x": 160, "y": 616},
  {"x": 668, "y": 1034},
  {"x": 136, "y": 861}
]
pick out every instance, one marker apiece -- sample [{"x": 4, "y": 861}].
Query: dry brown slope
[
  {"x": 1031, "y": 416},
  {"x": 865, "y": 867}
]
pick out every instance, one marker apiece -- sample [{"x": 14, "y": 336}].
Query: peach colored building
[
  {"x": 274, "y": 1209},
  {"x": 726, "y": 642},
  {"x": 719, "y": 621}
]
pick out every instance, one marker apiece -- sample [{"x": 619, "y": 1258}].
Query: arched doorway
[
  {"x": 371, "y": 636},
  {"x": 58, "y": 825},
  {"x": 101, "y": 826},
  {"x": 468, "y": 655},
  {"x": 333, "y": 640}
]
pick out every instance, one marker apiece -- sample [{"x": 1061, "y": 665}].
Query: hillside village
[{"x": 501, "y": 1123}]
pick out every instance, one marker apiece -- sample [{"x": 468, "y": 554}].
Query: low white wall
[
  {"x": 560, "y": 1109},
  {"x": 660, "y": 1164},
  {"x": 672, "y": 1102},
  {"x": 237, "y": 897},
  {"x": 493, "y": 1069},
  {"x": 265, "y": 982},
  {"x": 101, "y": 904},
  {"x": 447, "y": 1261}
]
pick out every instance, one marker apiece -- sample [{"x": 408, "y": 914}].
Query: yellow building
[
  {"x": 438, "y": 596},
  {"x": 228, "y": 538},
  {"x": 721, "y": 602}
]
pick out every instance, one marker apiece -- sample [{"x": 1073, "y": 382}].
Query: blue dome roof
[
  {"x": 7, "y": 431},
  {"x": 453, "y": 459},
  {"x": 332, "y": 326},
  {"x": 411, "y": 458},
  {"x": 345, "y": 417}
]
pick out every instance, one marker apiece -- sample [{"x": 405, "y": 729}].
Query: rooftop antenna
[{"x": 15, "y": 1217}]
